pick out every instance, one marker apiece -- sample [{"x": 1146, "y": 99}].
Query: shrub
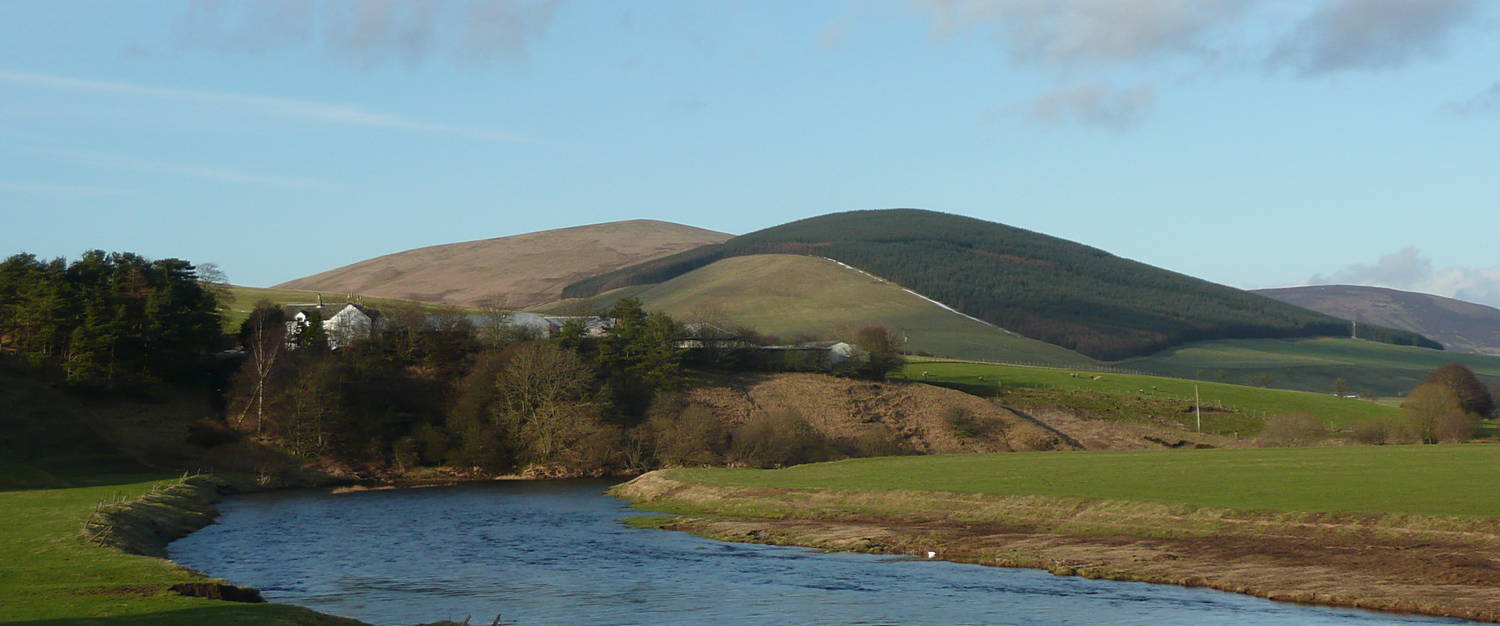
[
  {"x": 1295, "y": 429},
  {"x": 778, "y": 439},
  {"x": 685, "y": 436},
  {"x": 966, "y": 425},
  {"x": 1433, "y": 410},
  {"x": 877, "y": 440}
]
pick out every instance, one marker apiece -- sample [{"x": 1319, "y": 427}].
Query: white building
[{"x": 343, "y": 324}]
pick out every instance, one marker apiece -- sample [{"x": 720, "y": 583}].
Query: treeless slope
[
  {"x": 513, "y": 272},
  {"x": 789, "y": 295},
  {"x": 921, "y": 416},
  {"x": 1460, "y": 326}
]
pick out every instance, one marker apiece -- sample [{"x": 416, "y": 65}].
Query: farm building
[{"x": 343, "y": 323}]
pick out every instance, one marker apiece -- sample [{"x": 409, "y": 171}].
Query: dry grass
[
  {"x": 511, "y": 272},
  {"x": 841, "y": 408}
]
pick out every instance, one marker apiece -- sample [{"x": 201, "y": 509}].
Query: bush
[
  {"x": 1434, "y": 411},
  {"x": 685, "y": 436},
  {"x": 966, "y": 425},
  {"x": 877, "y": 440},
  {"x": 1295, "y": 429},
  {"x": 779, "y": 439}
]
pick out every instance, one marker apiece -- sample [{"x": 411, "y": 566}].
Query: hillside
[
  {"x": 1367, "y": 367},
  {"x": 1046, "y": 288},
  {"x": 510, "y": 272},
  {"x": 243, "y": 301},
  {"x": 1460, "y": 326},
  {"x": 789, "y": 296}
]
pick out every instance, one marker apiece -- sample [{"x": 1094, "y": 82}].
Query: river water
[{"x": 556, "y": 552}]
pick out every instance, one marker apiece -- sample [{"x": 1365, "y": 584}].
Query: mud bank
[{"x": 1428, "y": 565}]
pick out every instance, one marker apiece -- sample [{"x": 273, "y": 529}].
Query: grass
[
  {"x": 1448, "y": 480},
  {"x": 244, "y": 299},
  {"x": 790, "y": 295},
  {"x": 1370, "y": 368},
  {"x": 50, "y": 573},
  {"x": 1069, "y": 388}
]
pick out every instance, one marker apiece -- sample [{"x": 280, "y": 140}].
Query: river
[{"x": 557, "y": 552}]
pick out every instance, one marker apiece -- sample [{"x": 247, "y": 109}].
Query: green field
[
  {"x": 1252, "y": 401},
  {"x": 50, "y": 573},
  {"x": 1432, "y": 480},
  {"x": 790, "y": 295},
  {"x": 1370, "y": 368},
  {"x": 244, "y": 299}
]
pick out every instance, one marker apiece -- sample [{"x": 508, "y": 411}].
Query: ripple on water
[{"x": 556, "y": 552}]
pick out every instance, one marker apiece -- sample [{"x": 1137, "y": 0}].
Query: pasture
[{"x": 1449, "y": 480}]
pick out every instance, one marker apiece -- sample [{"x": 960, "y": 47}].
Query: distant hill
[
  {"x": 1460, "y": 326},
  {"x": 790, "y": 295},
  {"x": 512, "y": 272},
  {"x": 1043, "y": 287}
]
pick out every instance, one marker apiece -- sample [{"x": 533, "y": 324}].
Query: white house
[{"x": 343, "y": 323}]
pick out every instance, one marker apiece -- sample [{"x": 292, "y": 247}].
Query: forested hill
[{"x": 1043, "y": 287}]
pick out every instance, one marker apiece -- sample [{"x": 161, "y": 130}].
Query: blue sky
[{"x": 1255, "y": 143}]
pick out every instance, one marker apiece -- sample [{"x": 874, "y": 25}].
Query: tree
[
  {"x": 1435, "y": 414},
  {"x": 1473, "y": 396},
  {"x": 1340, "y": 387},
  {"x": 310, "y": 334},
  {"x": 543, "y": 392},
  {"x": 263, "y": 335},
  {"x": 882, "y": 352}
]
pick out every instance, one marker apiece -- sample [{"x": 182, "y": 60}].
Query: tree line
[
  {"x": 447, "y": 391},
  {"x": 108, "y": 320}
]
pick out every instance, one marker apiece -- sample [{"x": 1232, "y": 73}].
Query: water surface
[{"x": 556, "y": 552}]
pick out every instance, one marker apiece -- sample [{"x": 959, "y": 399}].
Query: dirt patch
[
  {"x": 1102, "y": 434},
  {"x": 218, "y": 591}
]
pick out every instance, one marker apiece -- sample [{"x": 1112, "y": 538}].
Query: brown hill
[
  {"x": 1460, "y": 326},
  {"x": 512, "y": 272}
]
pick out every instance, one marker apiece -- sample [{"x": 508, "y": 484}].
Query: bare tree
[{"x": 264, "y": 336}]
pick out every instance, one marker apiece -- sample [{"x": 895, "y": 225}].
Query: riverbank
[
  {"x": 1429, "y": 564},
  {"x": 95, "y": 551}
]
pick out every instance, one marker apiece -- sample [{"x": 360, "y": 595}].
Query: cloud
[
  {"x": 1081, "y": 32},
  {"x": 1482, "y": 103},
  {"x": 1407, "y": 269},
  {"x": 193, "y": 170},
  {"x": 1370, "y": 34},
  {"x": 1098, "y": 105},
  {"x": 322, "y": 112},
  {"x": 42, "y": 188},
  {"x": 375, "y": 33}
]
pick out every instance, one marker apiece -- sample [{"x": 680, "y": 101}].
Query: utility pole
[{"x": 1198, "y": 407}]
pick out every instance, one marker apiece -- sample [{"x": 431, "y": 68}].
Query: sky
[{"x": 1255, "y": 143}]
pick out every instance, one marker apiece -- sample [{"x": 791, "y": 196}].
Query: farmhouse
[{"x": 343, "y": 324}]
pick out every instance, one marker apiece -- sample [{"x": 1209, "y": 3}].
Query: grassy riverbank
[
  {"x": 50, "y": 573},
  {"x": 1401, "y": 528}
]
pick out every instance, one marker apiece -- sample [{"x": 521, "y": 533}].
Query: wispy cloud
[
  {"x": 1370, "y": 34},
  {"x": 1408, "y": 269},
  {"x": 192, "y": 170},
  {"x": 375, "y": 33},
  {"x": 1074, "y": 32},
  {"x": 43, "y": 188},
  {"x": 1483, "y": 103},
  {"x": 321, "y": 112},
  {"x": 1095, "y": 104}
]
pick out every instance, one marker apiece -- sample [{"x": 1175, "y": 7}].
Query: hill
[
  {"x": 789, "y": 296},
  {"x": 1312, "y": 364},
  {"x": 509, "y": 272},
  {"x": 1043, "y": 287},
  {"x": 1460, "y": 326}
]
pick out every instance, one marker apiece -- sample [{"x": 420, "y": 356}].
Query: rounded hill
[
  {"x": 511, "y": 272},
  {"x": 1043, "y": 287}
]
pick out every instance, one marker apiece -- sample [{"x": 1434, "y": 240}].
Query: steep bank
[
  {"x": 1426, "y": 564},
  {"x": 926, "y": 419}
]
